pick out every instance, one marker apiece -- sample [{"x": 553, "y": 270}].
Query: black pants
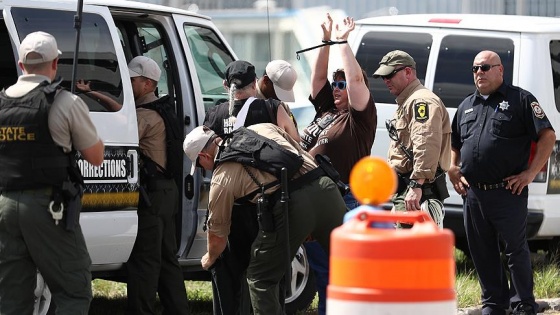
[
  {"x": 489, "y": 216},
  {"x": 153, "y": 265},
  {"x": 229, "y": 281}
]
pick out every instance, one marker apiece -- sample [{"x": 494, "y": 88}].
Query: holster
[
  {"x": 430, "y": 190},
  {"x": 265, "y": 217},
  {"x": 325, "y": 164},
  {"x": 71, "y": 194}
]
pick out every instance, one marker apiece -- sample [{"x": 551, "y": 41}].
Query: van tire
[
  {"x": 44, "y": 304},
  {"x": 302, "y": 283}
]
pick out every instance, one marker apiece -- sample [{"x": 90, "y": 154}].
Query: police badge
[
  {"x": 537, "y": 110},
  {"x": 421, "y": 113}
]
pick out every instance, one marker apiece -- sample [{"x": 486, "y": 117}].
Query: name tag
[{"x": 469, "y": 110}]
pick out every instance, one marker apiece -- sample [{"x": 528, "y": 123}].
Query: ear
[{"x": 225, "y": 85}]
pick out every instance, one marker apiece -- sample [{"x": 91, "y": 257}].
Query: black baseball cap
[{"x": 240, "y": 72}]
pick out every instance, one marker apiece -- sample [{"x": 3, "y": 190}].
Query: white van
[
  {"x": 444, "y": 46},
  {"x": 192, "y": 54}
]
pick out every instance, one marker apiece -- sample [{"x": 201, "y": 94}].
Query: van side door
[{"x": 207, "y": 54}]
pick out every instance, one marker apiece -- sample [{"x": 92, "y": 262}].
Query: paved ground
[{"x": 547, "y": 307}]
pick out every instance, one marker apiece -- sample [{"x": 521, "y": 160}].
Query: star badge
[{"x": 504, "y": 105}]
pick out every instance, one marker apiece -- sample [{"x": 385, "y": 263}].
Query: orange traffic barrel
[{"x": 389, "y": 271}]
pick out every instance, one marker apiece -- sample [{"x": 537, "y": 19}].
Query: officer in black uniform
[{"x": 492, "y": 133}]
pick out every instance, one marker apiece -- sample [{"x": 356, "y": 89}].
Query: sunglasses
[
  {"x": 341, "y": 85},
  {"x": 485, "y": 67},
  {"x": 392, "y": 74}
]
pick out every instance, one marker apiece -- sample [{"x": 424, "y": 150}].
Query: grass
[{"x": 110, "y": 297}]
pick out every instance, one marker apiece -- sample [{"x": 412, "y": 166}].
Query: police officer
[
  {"x": 229, "y": 283},
  {"x": 40, "y": 127},
  {"x": 420, "y": 133},
  {"x": 315, "y": 208},
  {"x": 153, "y": 266},
  {"x": 491, "y": 141}
]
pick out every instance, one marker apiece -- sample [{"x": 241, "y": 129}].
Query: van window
[
  {"x": 375, "y": 45},
  {"x": 145, "y": 38},
  {"x": 211, "y": 58},
  {"x": 97, "y": 62},
  {"x": 8, "y": 71},
  {"x": 555, "y": 67},
  {"x": 454, "y": 79}
]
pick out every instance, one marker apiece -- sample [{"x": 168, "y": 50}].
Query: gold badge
[{"x": 421, "y": 113}]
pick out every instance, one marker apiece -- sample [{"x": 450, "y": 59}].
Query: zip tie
[{"x": 325, "y": 43}]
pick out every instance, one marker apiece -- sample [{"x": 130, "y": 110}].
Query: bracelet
[{"x": 330, "y": 42}]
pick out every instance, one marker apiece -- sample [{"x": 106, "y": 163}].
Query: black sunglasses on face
[
  {"x": 392, "y": 74},
  {"x": 341, "y": 85},
  {"x": 485, "y": 67}
]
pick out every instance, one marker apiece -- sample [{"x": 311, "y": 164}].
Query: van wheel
[
  {"x": 302, "y": 285},
  {"x": 43, "y": 298}
]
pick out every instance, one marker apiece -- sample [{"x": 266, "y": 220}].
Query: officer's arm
[
  {"x": 94, "y": 154},
  {"x": 216, "y": 245},
  {"x": 545, "y": 144}
]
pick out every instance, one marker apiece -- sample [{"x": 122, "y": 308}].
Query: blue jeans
[{"x": 319, "y": 261}]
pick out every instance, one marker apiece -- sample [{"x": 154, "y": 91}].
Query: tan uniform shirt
[
  {"x": 151, "y": 131},
  {"x": 423, "y": 126},
  {"x": 69, "y": 121},
  {"x": 230, "y": 181}
]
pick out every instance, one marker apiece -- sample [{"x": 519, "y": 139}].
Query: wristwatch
[{"x": 414, "y": 184}]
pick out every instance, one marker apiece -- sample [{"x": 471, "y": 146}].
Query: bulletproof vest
[{"x": 28, "y": 154}]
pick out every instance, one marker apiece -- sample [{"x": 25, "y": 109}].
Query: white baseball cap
[
  {"x": 283, "y": 77},
  {"x": 41, "y": 43},
  {"x": 142, "y": 66},
  {"x": 195, "y": 141}
]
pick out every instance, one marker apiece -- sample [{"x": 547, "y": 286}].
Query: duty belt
[{"x": 484, "y": 186}]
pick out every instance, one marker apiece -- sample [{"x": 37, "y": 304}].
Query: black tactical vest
[{"x": 29, "y": 158}]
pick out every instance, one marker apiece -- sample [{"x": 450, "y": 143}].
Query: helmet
[{"x": 435, "y": 209}]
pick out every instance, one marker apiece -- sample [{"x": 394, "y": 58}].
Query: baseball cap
[
  {"x": 195, "y": 142},
  {"x": 240, "y": 72},
  {"x": 141, "y": 66},
  {"x": 392, "y": 59},
  {"x": 283, "y": 77},
  {"x": 40, "y": 43}
]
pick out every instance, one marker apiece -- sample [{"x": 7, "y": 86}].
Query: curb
[{"x": 544, "y": 305}]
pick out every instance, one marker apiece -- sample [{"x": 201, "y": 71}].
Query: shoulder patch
[
  {"x": 421, "y": 113},
  {"x": 537, "y": 110}
]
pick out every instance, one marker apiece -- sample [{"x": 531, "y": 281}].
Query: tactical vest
[{"x": 28, "y": 155}]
